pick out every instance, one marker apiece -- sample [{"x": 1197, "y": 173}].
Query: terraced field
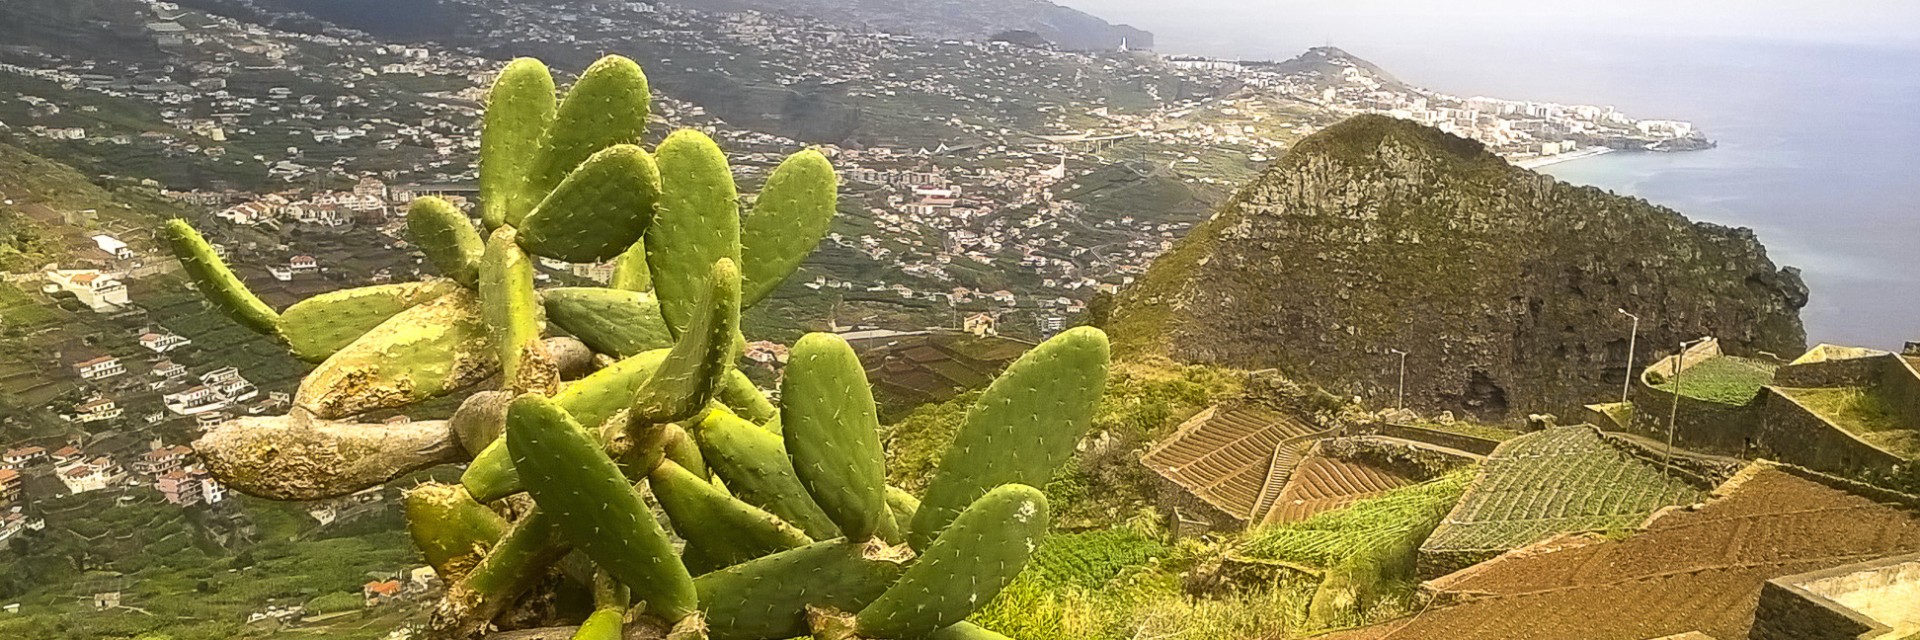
[
  {"x": 1561, "y": 480},
  {"x": 1372, "y": 526},
  {"x": 1729, "y": 380},
  {"x": 1323, "y": 484},
  {"x": 1226, "y": 456},
  {"x": 1689, "y": 571}
]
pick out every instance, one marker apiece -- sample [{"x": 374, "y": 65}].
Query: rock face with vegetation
[{"x": 1501, "y": 284}]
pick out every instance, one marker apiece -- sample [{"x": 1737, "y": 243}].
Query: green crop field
[
  {"x": 1369, "y": 527},
  {"x": 1725, "y": 380},
  {"x": 1560, "y": 480}
]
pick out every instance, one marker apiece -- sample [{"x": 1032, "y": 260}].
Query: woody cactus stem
[
  {"x": 512, "y": 311},
  {"x": 297, "y": 458}
]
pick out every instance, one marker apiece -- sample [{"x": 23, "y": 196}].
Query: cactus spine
[{"x": 832, "y": 433}]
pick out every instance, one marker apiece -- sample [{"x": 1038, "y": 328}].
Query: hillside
[
  {"x": 1379, "y": 234},
  {"x": 1065, "y": 27}
]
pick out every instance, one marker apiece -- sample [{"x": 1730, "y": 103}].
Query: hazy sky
[{"x": 1293, "y": 24}]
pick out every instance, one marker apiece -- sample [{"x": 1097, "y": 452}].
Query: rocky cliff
[{"x": 1502, "y": 285}]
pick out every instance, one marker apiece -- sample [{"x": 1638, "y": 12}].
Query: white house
[
  {"x": 96, "y": 410},
  {"x": 113, "y": 246},
  {"x": 100, "y": 368},
  {"x": 100, "y": 291},
  {"x": 163, "y": 342}
]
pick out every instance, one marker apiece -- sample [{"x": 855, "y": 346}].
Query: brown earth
[
  {"x": 1697, "y": 570},
  {"x": 1324, "y": 484}
]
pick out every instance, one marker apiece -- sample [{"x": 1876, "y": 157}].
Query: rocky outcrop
[{"x": 1502, "y": 285}]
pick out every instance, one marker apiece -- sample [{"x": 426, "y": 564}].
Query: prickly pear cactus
[{"x": 585, "y": 406}]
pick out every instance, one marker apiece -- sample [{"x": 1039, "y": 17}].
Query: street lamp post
[
  {"x": 1673, "y": 414},
  {"x": 1633, "y": 341},
  {"x": 1400, "y": 401}
]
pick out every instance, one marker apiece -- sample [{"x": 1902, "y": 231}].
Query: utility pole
[
  {"x": 1401, "y": 397},
  {"x": 1632, "y": 342},
  {"x": 1673, "y": 414}
]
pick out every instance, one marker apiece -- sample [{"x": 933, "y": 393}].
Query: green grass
[
  {"x": 1864, "y": 412},
  {"x": 1726, "y": 380}
]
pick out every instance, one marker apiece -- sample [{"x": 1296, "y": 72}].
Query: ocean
[{"x": 1819, "y": 136}]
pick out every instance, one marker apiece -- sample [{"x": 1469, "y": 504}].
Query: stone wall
[
  {"x": 1708, "y": 427},
  {"x": 1791, "y": 433},
  {"x": 1448, "y": 439},
  {"x": 1786, "y": 613}
]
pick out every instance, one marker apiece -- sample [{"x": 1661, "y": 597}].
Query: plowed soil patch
[
  {"x": 1689, "y": 571},
  {"x": 1323, "y": 484}
]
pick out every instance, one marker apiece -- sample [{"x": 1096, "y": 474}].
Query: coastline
[{"x": 1537, "y": 162}]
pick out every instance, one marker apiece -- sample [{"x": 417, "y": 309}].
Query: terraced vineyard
[
  {"x": 1689, "y": 571},
  {"x": 1560, "y": 480},
  {"x": 1367, "y": 527},
  {"x": 1727, "y": 380},
  {"x": 1225, "y": 456},
  {"x": 1323, "y": 484}
]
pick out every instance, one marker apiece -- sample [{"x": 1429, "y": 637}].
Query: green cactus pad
[
  {"x": 317, "y": 327},
  {"x": 610, "y": 602},
  {"x": 768, "y": 597},
  {"x": 596, "y": 508},
  {"x": 590, "y": 400},
  {"x": 513, "y": 312},
  {"x": 754, "y": 465},
  {"x": 745, "y": 399},
  {"x": 605, "y": 107},
  {"x": 599, "y": 211},
  {"x": 698, "y": 223},
  {"x": 451, "y": 530},
  {"x": 723, "y": 530},
  {"x": 420, "y": 353},
  {"x": 790, "y": 217},
  {"x": 630, "y": 269},
  {"x": 902, "y": 505},
  {"x": 218, "y": 283},
  {"x": 983, "y": 550},
  {"x": 700, "y": 360},
  {"x": 611, "y": 321},
  {"x": 451, "y": 243},
  {"x": 1023, "y": 427},
  {"x": 679, "y": 447},
  {"x": 519, "y": 109},
  {"x": 832, "y": 433}
]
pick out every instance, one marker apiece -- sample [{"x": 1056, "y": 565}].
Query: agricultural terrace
[
  {"x": 1393, "y": 522},
  {"x": 1323, "y": 484},
  {"x": 1729, "y": 380},
  {"x": 1691, "y": 570},
  {"x": 1227, "y": 456},
  {"x": 1863, "y": 411},
  {"x": 1560, "y": 480}
]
